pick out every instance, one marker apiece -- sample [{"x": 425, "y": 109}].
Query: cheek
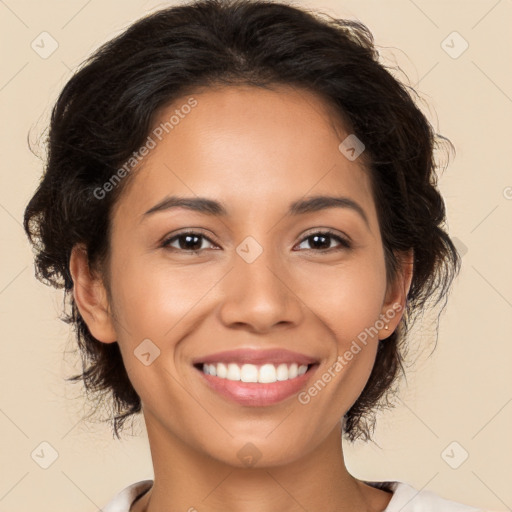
[
  {"x": 349, "y": 305},
  {"x": 151, "y": 297},
  {"x": 349, "y": 300}
]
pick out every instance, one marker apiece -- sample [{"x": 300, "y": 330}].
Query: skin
[{"x": 256, "y": 151}]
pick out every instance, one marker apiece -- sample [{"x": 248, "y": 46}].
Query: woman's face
[{"x": 259, "y": 279}]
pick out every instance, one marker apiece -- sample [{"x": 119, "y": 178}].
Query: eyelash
[{"x": 345, "y": 244}]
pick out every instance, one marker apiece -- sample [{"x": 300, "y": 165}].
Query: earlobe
[
  {"x": 91, "y": 297},
  {"x": 396, "y": 296}
]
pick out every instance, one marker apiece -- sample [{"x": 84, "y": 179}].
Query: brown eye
[
  {"x": 189, "y": 241},
  {"x": 321, "y": 241}
]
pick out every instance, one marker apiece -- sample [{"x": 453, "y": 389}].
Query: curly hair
[{"x": 106, "y": 110}]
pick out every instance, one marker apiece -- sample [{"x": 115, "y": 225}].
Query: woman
[{"x": 241, "y": 203}]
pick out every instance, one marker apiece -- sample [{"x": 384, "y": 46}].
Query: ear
[
  {"x": 91, "y": 296},
  {"x": 396, "y": 294}
]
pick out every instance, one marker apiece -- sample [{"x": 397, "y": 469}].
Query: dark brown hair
[{"x": 106, "y": 110}]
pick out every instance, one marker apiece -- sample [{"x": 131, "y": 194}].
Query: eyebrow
[{"x": 211, "y": 207}]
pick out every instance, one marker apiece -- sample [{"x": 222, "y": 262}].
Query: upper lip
[{"x": 256, "y": 356}]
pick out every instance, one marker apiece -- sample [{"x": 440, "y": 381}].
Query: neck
[{"x": 191, "y": 481}]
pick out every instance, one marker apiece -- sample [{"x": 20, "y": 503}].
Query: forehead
[{"x": 249, "y": 147}]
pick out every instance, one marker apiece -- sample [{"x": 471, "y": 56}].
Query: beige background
[{"x": 462, "y": 392}]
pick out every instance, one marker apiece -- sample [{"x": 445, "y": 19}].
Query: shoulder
[
  {"x": 124, "y": 499},
  {"x": 405, "y": 499},
  {"x": 408, "y": 499}
]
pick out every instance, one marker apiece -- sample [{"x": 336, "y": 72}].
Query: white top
[{"x": 405, "y": 499}]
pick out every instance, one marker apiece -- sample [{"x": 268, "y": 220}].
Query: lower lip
[{"x": 257, "y": 394}]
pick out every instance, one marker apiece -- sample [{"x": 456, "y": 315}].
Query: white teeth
[
  {"x": 222, "y": 370},
  {"x": 249, "y": 373},
  {"x": 282, "y": 372},
  {"x": 266, "y": 373},
  {"x": 233, "y": 372}
]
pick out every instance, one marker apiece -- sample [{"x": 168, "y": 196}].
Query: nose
[{"x": 260, "y": 296}]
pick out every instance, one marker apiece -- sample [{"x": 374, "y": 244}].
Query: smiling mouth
[{"x": 266, "y": 373}]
